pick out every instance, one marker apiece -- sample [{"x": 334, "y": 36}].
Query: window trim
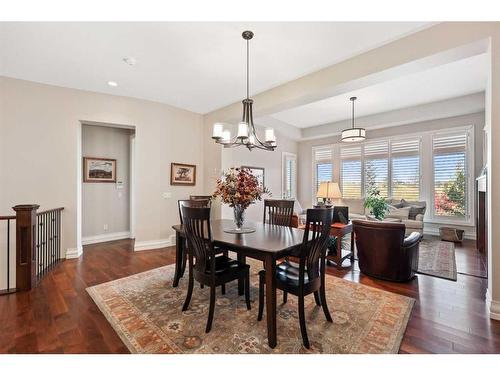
[
  {"x": 330, "y": 147},
  {"x": 470, "y": 180}
]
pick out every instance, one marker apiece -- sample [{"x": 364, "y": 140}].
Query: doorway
[{"x": 107, "y": 182}]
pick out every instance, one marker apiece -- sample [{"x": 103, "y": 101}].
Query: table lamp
[{"x": 328, "y": 191}]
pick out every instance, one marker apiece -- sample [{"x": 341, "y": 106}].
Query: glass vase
[{"x": 239, "y": 216}]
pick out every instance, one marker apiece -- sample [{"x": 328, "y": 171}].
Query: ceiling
[
  {"x": 195, "y": 66},
  {"x": 455, "y": 79}
]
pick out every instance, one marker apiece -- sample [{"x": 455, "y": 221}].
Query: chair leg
[
  {"x": 190, "y": 285},
  {"x": 316, "y": 298},
  {"x": 223, "y": 289},
  {"x": 323, "y": 302},
  {"x": 211, "y": 309},
  {"x": 261, "y": 295},
  {"x": 285, "y": 297},
  {"x": 302, "y": 320},
  {"x": 247, "y": 290}
]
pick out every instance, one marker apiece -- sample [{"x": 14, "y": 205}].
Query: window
[
  {"x": 323, "y": 166},
  {"x": 289, "y": 175},
  {"x": 405, "y": 169},
  {"x": 450, "y": 175},
  {"x": 351, "y": 172},
  {"x": 377, "y": 167}
]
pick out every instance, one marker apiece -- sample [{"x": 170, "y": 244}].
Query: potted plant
[
  {"x": 239, "y": 188},
  {"x": 376, "y": 204}
]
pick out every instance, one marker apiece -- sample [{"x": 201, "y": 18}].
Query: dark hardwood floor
[{"x": 58, "y": 316}]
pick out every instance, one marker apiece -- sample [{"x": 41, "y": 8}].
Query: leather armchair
[{"x": 384, "y": 252}]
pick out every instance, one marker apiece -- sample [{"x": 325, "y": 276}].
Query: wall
[
  {"x": 102, "y": 203},
  {"x": 305, "y": 169},
  {"x": 40, "y": 137},
  {"x": 271, "y": 161}
]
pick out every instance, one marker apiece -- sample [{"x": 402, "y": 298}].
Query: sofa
[{"x": 409, "y": 213}]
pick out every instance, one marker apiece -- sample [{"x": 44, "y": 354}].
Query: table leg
[
  {"x": 179, "y": 256},
  {"x": 241, "y": 283},
  {"x": 270, "y": 267},
  {"x": 352, "y": 248}
]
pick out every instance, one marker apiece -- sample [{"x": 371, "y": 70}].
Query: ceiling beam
[{"x": 434, "y": 46}]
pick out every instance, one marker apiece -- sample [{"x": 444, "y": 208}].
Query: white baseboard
[
  {"x": 74, "y": 252},
  {"x": 105, "y": 237},
  {"x": 154, "y": 244},
  {"x": 493, "y": 306}
]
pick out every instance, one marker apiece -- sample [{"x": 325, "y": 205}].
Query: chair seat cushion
[
  {"x": 224, "y": 264},
  {"x": 288, "y": 272}
]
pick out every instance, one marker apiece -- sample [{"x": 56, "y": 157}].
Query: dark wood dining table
[{"x": 268, "y": 243}]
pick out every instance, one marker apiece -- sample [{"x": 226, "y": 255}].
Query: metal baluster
[
  {"x": 58, "y": 235},
  {"x": 52, "y": 255},
  {"x": 38, "y": 246},
  {"x": 8, "y": 254}
]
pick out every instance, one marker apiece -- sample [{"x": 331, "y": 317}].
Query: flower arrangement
[{"x": 239, "y": 188}]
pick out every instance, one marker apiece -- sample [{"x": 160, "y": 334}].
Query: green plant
[{"x": 376, "y": 204}]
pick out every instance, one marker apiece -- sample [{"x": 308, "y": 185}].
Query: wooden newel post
[{"x": 25, "y": 246}]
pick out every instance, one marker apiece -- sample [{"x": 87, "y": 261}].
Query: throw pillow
[
  {"x": 414, "y": 209},
  {"x": 398, "y": 213}
]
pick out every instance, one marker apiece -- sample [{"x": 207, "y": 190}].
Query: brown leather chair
[{"x": 384, "y": 252}]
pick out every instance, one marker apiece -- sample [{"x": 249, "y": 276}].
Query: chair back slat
[
  {"x": 278, "y": 212},
  {"x": 315, "y": 240},
  {"x": 191, "y": 203},
  {"x": 199, "y": 234}
]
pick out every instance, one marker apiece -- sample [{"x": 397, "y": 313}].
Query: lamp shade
[
  {"x": 329, "y": 190},
  {"x": 353, "y": 135}
]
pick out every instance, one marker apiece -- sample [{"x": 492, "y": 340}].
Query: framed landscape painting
[
  {"x": 257, "y": 172},
  {"x": 182, "y": 174},
  {"x": 99, "y": 170}
]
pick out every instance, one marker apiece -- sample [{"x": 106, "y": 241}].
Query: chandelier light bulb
[
  {"x": 217, "y": 132},
  {"x": 242, "y": 130}
]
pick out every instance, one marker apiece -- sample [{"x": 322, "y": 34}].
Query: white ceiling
[
  {"x": 196, "y": 66},
  {"x": 458, "y": 78}
]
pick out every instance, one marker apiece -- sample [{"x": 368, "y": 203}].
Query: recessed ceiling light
[
  {"x": 130, "y": 60},
  {"x": 112, "y": 83}
]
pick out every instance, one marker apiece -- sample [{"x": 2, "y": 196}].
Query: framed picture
[
  {"x": 182, "y": 174},
  {"x": 99, "y": 170},
  {"x": 257, "y": 172}
]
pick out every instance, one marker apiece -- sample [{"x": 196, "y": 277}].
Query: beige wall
[
  {"x": 40, "y": 133},
  {"x": 270, "y": 161},
  {"x": 105, "y": 208}
]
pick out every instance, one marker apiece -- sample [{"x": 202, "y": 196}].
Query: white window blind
[
  {"x": 377, "y": 167},
  {"x": 351, "y": 172},
  {"x": 323, "y": 166},
  {"x": 405, "y": 169},
  {"x": 450, "y": 175},
  {"x": 289, "y": 175}
]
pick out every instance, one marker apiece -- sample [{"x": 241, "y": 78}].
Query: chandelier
[
  {"x": 246, "y": 136},
  {"x": 353, "y": 134}
]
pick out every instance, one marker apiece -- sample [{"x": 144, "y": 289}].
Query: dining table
[{"x": 267, "y": 243}]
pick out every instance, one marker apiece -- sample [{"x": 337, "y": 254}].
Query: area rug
[
  {"x": 145, "y": 311},
  {"x": 437, "y": 258}
]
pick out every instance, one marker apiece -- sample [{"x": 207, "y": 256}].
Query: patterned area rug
[
  {"x": 437, "y": 258},
  {"x": 145, "y": 311}
]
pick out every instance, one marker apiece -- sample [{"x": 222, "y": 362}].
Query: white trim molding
[
  {"x": 493, "y": 306},
  {"x": 74, "y": 252},
  {"x": 105, "y": 237},
  {"x": 154, "y": 244}
]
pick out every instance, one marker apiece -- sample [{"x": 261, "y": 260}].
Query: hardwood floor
[{"x": 59, "y": 316}]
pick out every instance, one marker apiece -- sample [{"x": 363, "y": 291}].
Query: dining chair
[
  {"x": 204, "y": 266},
  {"x": 309, "y": 275},
  {"x": 278, "y": 212},
  {"x": 195, "y": 202},
  {"x": 201, "y": 197}
]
